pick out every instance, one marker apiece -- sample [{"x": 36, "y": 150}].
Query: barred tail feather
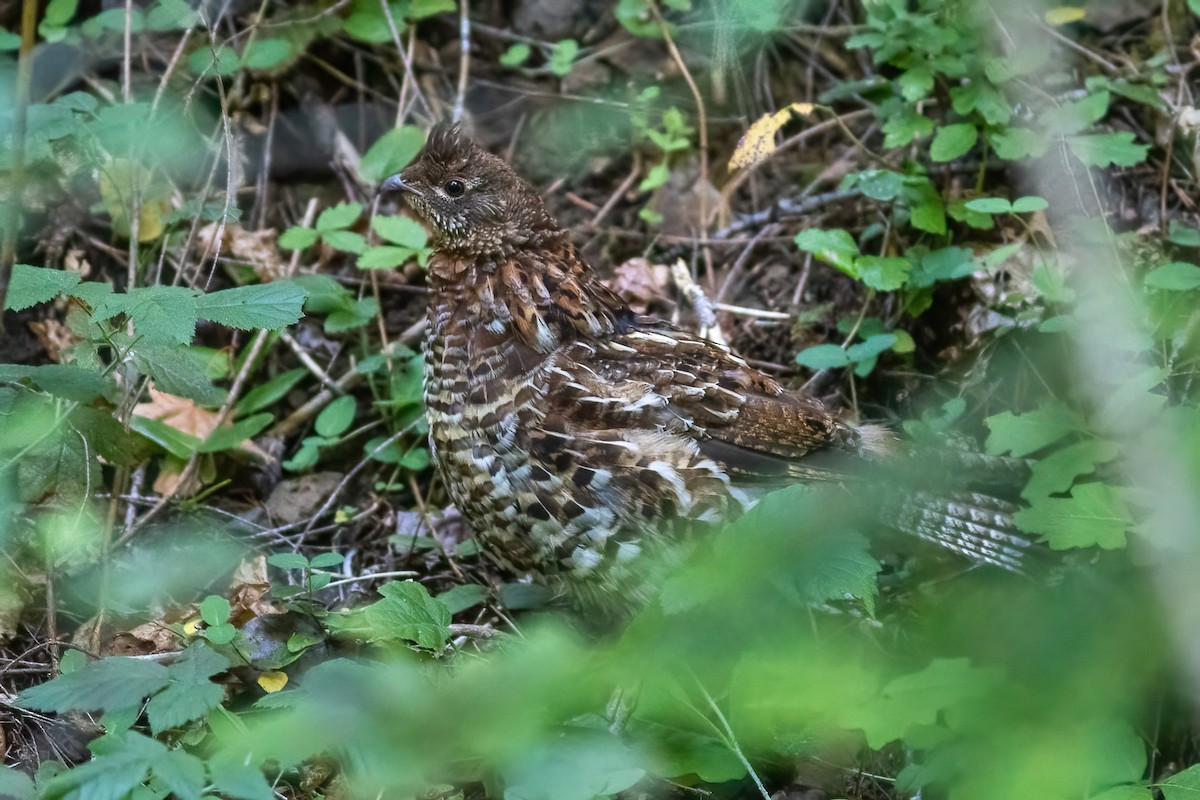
[{"x": 975, "y": 525}]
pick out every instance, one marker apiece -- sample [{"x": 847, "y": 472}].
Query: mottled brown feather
[{"x": 576, "y": 436}]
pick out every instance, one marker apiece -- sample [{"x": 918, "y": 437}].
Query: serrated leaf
[
  {"x": 1093, "y": 516},
  {"x": 68, "y": 381},
  {"x": 334, "y": 218},
  {"x": 269, "y": 305},
  {"x": 160, "y": 314},
  {"x": 461, "y": 597},
  {"x": 1108, "y": 149},
  {"x": 953, "y": 141},
  {"x": 29, "y": 286},
  {"x": 298, "y": 238},
  {"x": 182, "y": 773},
  {"x": 403, "y": 231},
  {"x": 883, "y": 273},
  {"x": 1176, "y": 276},
  {"x": 177, "y": 370},
  {"x": 1023, "y": 434},
  {"x": 835, "y": 247},
  {"x": 1056, "y": 472},
  {"x": 191, "y": 694},
  {"x": 110, "y": 684},
  {"x": 1183, "y": 785},
  {"x": 406, "y": 612}
]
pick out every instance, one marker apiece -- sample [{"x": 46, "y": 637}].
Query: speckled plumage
[{"x": 574, "y": 435}]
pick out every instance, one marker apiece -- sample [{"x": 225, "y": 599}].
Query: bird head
[{"x": 473, "y": 200}]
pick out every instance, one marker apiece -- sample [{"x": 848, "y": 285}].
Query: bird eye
[{"x": 455, "y": 188}]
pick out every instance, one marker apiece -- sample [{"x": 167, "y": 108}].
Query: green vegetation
[{"x": 227, "y": 569}]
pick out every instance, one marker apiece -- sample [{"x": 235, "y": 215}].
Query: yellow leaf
[
  {"x": 272, "y": 681},
  {"x": 1063, "y": 15},
  {"x": 192, "y": 626},
  {"x": 758, "y": 143},
  {"x": 120, "y": 180}
]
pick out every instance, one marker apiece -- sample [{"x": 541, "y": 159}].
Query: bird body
[{"x": 575, "y": 436}]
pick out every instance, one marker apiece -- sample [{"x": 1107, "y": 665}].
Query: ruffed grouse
[{"x": 575, "y": 435}]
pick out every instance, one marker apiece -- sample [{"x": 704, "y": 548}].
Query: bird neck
[{"x": 541, "y": 293}]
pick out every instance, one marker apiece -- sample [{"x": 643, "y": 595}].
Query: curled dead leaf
[{"x": 758, "y": 142}]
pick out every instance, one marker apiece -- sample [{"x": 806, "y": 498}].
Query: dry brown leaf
[
  {"x": 54, "y": 337},
  {"x": 257, "y": 248},
  {"x": 249, "y": 587},
  {"x": 758, "y": 143},
  {"x": 640, "y": 283},
  {"x": 74, "y": 261},
  {"x": 178, "y": 412}
]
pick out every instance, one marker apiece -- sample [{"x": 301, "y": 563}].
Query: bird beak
[{"x": 396, "y": 184}]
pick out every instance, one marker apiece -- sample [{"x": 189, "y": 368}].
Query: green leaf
[
  {"x": 392, "y": 152},
  {"x": 336, "y": 417},
  {"x": 463, "y": 596},
  {"x": 215, "y": 609},
  {"x": 823, "y": 356},
  {"x": 29, "y": 286},
  {"x": 190, "y": 695},
  {"x": 269, "y": 305},
  {"x": 110, "y": 684},
  {"x": 224, "y": 61},
  {"x": 59, "y": 12},
  {"x": 990, "y": 205},
  {"x": 562, "y": 56},
  {"x": 952, "y": 141},
  {"x": 406, "y": 612},
  {"x": 658, "y": 175},
  {"x": 1108, "y": 149},
  {"x": 579, "y": 765},
  {"x": 1183, "y": 236},
  {"x": 835, "y": 247},
  {"x": 1028, "y": 433},
  {"x": 420, "y": 9},
  {"x": 871, "y": 347},
  {"x": 8, "y": 42},
  {"x": 346, "y": 241},
  {"x": 917, "y": 699},
  {"x": 1176, "y": 276},
  {"x": 267, "y": 53},
  {"x": 1183, "y": 785},
  {"x": 171, "y": 15},
  {"x": 233, "y": 777},
  {"x": 1094, "y": 515},
  {"x": 173, "y": 440},
  {"x": 945, "y": 264},
  {"x": 229, "y": 437},
  {"x": 1029, "y": 204},
  {"x": 915, "y": 83},
  {"x": 177, "y": 370},
  {"x": 403, "y": 231},
  {"x": 1014, "y": 144},
  {"x": 68, "y": 381},
  {"x": 15, "y": 784},
  {"x": 1056, "y": 472},
  {"x": 1131, "y": 792},
  {"x": 288, "y": 561},
  {"x": 883, "y": 273},
  {"x": 385, "y": 257},
  {"x": 334, "y": 218},
  {"x": 355, "y": 314},
  {"x": 516, "y": 55},
  {"x": 269, "y": 393},
  {"x": 221, "y": 634},
  {"x": 327, "y": 560},
  {"x": 161, "y": 314},
  {"x": 182, "y": 773},
  {"x": 298, "y": 238}
]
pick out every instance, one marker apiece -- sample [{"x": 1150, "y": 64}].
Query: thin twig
[
  {"x": 700, "y": 112},
  {"x": 464, "y": 60}
]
